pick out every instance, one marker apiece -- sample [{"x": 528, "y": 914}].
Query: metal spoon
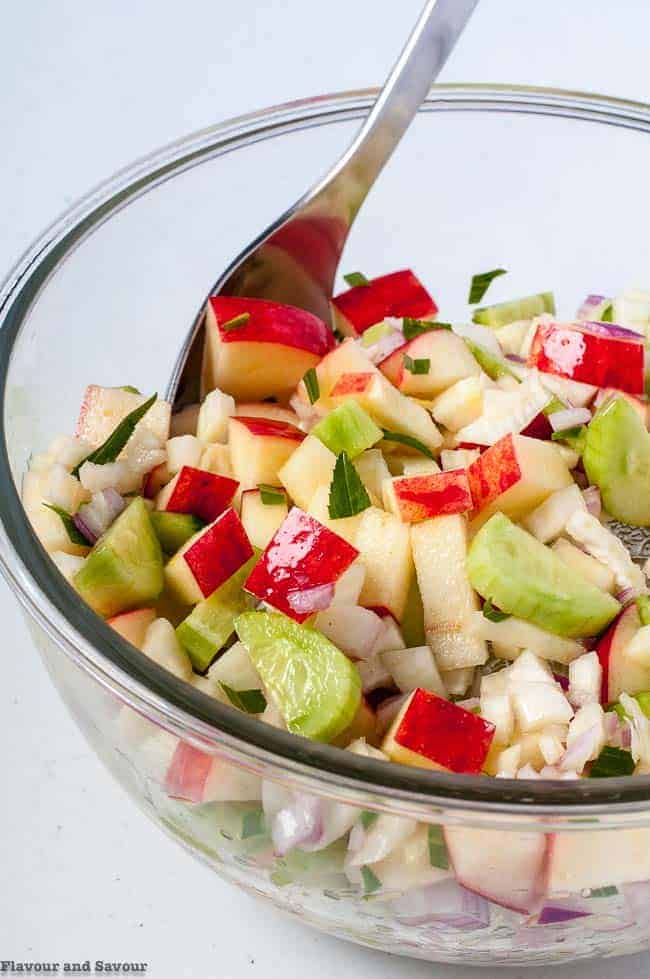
[{"x": 274, "y": 266}]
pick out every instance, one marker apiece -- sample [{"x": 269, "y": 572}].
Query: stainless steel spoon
[{"x": 295, "y": 259}]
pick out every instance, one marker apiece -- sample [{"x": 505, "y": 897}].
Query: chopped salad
[{"x": 396, "y": 536}]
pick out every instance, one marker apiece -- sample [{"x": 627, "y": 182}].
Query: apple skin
[
  {"x": 270, "y": 427},
  {"x": 187, "y": 773},
  {"x": 582, "y": 353},
  {"x": 396, "y": 294},
  {"x": 449, "y": 362},
  {"x": 539, "y": 428},
  {"x": 302, "y": 555},
  {"x": 421, "y": 497},
  {"x": 133, "y": 625},
  {"x": 351, "y": 384},
  {"x": 435, "y": 733},
  {"x": 219, "y": 551},
  {"x": 271, "y": 322},
  {"x": 259, "y": 448},
  {"x": 619, "y": 672},
  {"x": 201, "y": 493},
  {"x": 266, "y": 409},
  {"x": 494, "y": 472},
  {"x": 155, "y": 480},
  {"x": 102, "y": 409}
]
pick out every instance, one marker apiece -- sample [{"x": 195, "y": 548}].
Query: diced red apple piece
[
  {"x": 133, "y": 626},
  {"x": 310, "y": 467},
  {"x": 621, "y": 673},
  {"x": 195, "y": 491},
  {"x": 267, "y": 409},
  {"x": 259, "y": 448},
  {"x": 261, "y": 520},
  {"x": 509, "y": 873},
  {"x": 591, "y": 859},
  {"x": 417, "y": 498},
  {"x": 383, "y": 543},
  {"x": 155, "y": 480},
  {"x": 449, "y": 361},
  {"x": 388, "y": 408},
  {"x": 440, "y": 551},
  {"x": 265, "y": 356},
  {"x": 514, "y": 476},
  {"x": 430, "y": 732},
  {"x": 102, "y": 409},
  {"x": 301, "y": 562},
  {"x": 396, "y": 294},
  {"x": 195, "y": 776},
  {"x": 208, "y": 559},
  {"x": 586, "y": 352}
]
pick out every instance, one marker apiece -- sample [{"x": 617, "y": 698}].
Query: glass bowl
[{"x": 551, "y": 185}]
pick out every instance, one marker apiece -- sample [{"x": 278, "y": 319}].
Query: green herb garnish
[
  {"x": 574, "y": 437},
  {"x": 608, "y": 891},
  {"x": 310, "y": 380},
  {"x": 253, "y": 824},
  {"x": 412, "y": 443},
  {"x": 356, "y": 279},
  {"x": 271, "y": 495},
  {"x": 250, "y": 701},
  {"x": 111, "y": 448},
  {"x": 643, "y": 608},
  {"x": 348, "y": 496},
  {"x": 371, "y": 882},
  {"x": 415, "y": 328},
  {"x": 130, "y": 389},
  {"x": 481, "y": 283},
  {"x": 438, "y": 856},
  {"x": 611, "y": 763},
  {"x": 235, "y": 322},
  {"x": 367, "y": 818},
  {"x": 75, "y": 536},
  {"x": 416, "y": 366},
  {"x": 607, "y": 315},
  {"x": 494, "y": 614}
]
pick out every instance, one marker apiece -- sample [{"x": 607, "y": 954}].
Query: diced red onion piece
[
  {"x": 589, "y": 304},
  {"x": 613, "y": 330},
  {"x": 384, "y": 347},
  {"x": 569, "y": 418},
  {"x": 445, "y": 903},
  {"x": 388, "y": 711},
  {"x": 515, "y": 359},
  {"x": 593, "y": 502},
  {"x": 627, "y": 595},
  {"x": 94, "y": 518},
  {"x": 311, "y": 599},
  {"x": 562, "y": 680},
  {"x": 557, "y": 912},
  {"x": 298, "y": 823},
  {"x": 583, "y": 748},
  {"x": 306, "y": 412}
]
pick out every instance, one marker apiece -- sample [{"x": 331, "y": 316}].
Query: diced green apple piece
[
  {"x": 524, "y": 578},
  {"x": 526, "y": 308},
  {"x": 315, "y": 687},
  {"x": 211, "y": 623},
  {"x": 617, "y": 459},
  {"x": 125, "y": 567}
]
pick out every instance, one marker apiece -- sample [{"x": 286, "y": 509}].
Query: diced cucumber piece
[
  {"x": 212, "y": 622},
  {"x": 495, "y": 367},
  {"x": 500, "y": 314},
  {"x": 174, "y": 529},
  {"x": 316, "y": 688},
  {"x": 347, "y": 429},
  {"x": 616, "y": 458},
  {"x": 125, "y": 567},
  {"x": 522, "y": 577}
]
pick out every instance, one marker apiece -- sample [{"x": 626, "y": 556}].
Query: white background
[{"x": 87, "y": 86}]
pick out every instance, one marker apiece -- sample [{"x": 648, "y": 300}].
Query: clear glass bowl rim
[{"x": 135, "y": 679}]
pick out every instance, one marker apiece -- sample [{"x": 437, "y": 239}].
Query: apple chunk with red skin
[
  {"x": 133, "y": 625},
  {"x": 589, "y": 353},
  {"x": 266, "y": 355},
  {"x": 514, "y": 476},
  {"x": 301, "y": 563},
  {"x": 449, "y": 361},
  {"x": 416, "y": 498},
  {"x": 208, "y": 559},
  {"x": 620, "y": 672},
  {"x": 259, "y": 448},
  {"x": 102, "y": 409},
  {"x": 194, "y": 776},
  {"x": 430, "y": 732},
  {"x": 396, "y": 294},
  {"x": 198, "y": 492}
]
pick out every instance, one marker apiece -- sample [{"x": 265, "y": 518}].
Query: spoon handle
[{"x": 431, "y": 42}]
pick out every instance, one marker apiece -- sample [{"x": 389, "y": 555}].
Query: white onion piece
[
  {"x": 412, "y": 668},
  {"x": 383, "y": 348},
  {"x": 387, "y": 711},
  {"x": 445, "y": 903},
  {"x": 528, "y": 772},
  {"x": 311, "y": 599},
  {"x": 553, "y": 771},
  {"x": 374, "y": 675},
  {"x": 274, "y": 798},
  {"x": 639, "y": 729},
  {"x": 593, "y": 502},
  {"x": 381, "y": 838},
  {"x": 569, "y": 418},
  {"x": 585, "y": 678},
  {"x": 353, "y": 629},
  {"x": 93, "y": 519},
  {"x": 298, "y": 823},
  {"x": 306, "y": 412},
  {"x": 591, "y": 305},
  {"x": 585, "y": 746}
]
